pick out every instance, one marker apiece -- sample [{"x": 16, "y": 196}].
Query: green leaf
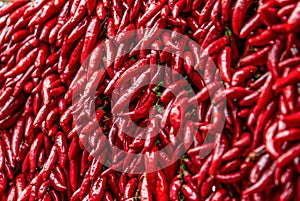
[
  {"x": 159, "y": 108},
  {"x": 228, "y": 32}
]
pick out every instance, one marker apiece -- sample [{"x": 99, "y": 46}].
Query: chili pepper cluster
[{"x": 49, "y": 51}]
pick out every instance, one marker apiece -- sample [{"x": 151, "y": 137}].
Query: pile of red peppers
[{"x": 255, "y": 47}]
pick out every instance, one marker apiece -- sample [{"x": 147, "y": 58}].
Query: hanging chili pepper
[
  {"x": 151, "y": 11},
  {"x": 145, "y": 193},
  {"x": 98, "y": 188},
  {"x": 23, "y": 64}
]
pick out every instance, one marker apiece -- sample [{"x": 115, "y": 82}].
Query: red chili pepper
[
  {"x": 263, "y": 38},
  {"x": 287, "y": 135},
  {"x": 238, "y": 15},
  {"x": 287, "y": 157},
  {"x": 262, "y": 182},
  {"x": 12, "y": 195},
  {"x": 34, "y": 151},
  {"x": 20, "y": 183},
  {"x": 125, "y": 97},
  {"x": 6, "y": 139},
  {"x": 214, "y": 15},
  {"x": 256, "y": 58},
  {"x": 264, "y": 98},
  {"x": 35, "y": 6},
  {"x": 57, "y": 185},
  {"x": 242, "y": 74},
  {"x": 62, "y": 147},
  {"x": 175, "y": 187},
  {"x": 8, "y": 8},
  {"x": 45, "y": 13},
  {"x": 259, "y": 167},
  {"x": 293, "y": 20},
  {"x": 23, "y": 64},
  {"x": 224, "y": 64},
  {"x": 17, "y": 136},
  {"x": 178, "y": 7},
  {"x": 2, "y": 155},
  {"x": 189, "y": 193},
  {"x": 49, "y": 164},
  {"x": 91, "y": 5},
  {"x": 25, "y": 194},
  {"x": 230, "y": 166},
  {"x": 219, "y": 150},
  {"x": 130, "y": 188},
  {"x": 232, "y": 93},
  {"x": 85, "y": 186},
  {"x": 229, "y": 178},
  {"x": 244, "y": 140},
  {"x": 74, "y": 173},
  {"x": 43, "y": 189},
  {"x": 54, "y": 195},
  {"x": 41, "y": 56},
  {"x": 150, "y": 12},
  {"x": 287, "y": 175},
  {"x": 98, "y": 188},
  {"x": 20, "y": 35},
  {"x": 205, "y": 12},
  {"x": 252, "y": 24},
  {"x": 273, "y": 55},
  {"x": 161, "y": 192},
  {"x": 145, "y": 193},
  {"x": 291, "y": 78}
]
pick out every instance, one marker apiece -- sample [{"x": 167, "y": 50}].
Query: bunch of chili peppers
[{"x": 49, "y": 50}]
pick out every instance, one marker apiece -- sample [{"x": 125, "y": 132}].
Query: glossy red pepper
[
  {"x": 189, "y": 193},
  {"x": 98, "y": 189},
  {"x": 145, "y": 193}
]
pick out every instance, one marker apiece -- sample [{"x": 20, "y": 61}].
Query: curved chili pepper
[
  {"x": 2, "y": 155},
  {"x": 242, "y": 74},
  {"x": 293, "y": 20},
  {"x": 161, "y": 192},
  {"x": 34, "y": 150},
  {"x": 239, "y": 13},
  {"x": 291, "y": 78},
  {"x": 25, "y": 194},
  {"x": 62, "y": 147},
  {"x": 130, "y": 188},
  {"x": 23, "y": 64},
  {"x": 224, "y": 64},
  {"x": 43, "y": 189},
  {"x": 259, "y": 167},
  {"x": 98, "y": 189},
  {"x": 145, "y": 193},
  {"x": 74, "y": 173},
  {"x": 54, "y": 195},
  {"x": 175, "y": 187},
  {"x": 17, "y": 135},
  {"x": 287, "y": 135},
  {"x": 262, "y": 182},
  {"x": 189, "y": 193},
  {"x": 256, "y": 58},
  {"x": 263, "y": 38},
  {"x": 3, "y": 182},
  {"x": 288, "y": 156},
  {"x": 219, "y": 150},
  {"x": 141, "y": 79},
  {"x": 12, "y": 195},
  {"x": 252, "y": 24},
  {"x": 264, "y": 98},
  {"x": 203, "y": 171},
  {"x": 49, "y": 164},
  {"x": 151, "y": 11},
  {"x": 6, "y": 139}
]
